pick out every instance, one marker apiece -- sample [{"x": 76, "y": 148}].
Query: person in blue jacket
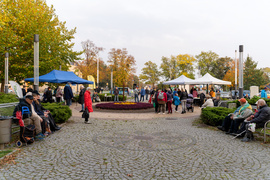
[
  {"x": 176, "y": 101},
  {"x": 263, "y": 93},
  {"x": 68, "y": 94},
  {"x": 142, "y": 94}
]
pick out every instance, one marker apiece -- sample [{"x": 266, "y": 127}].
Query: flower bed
[{"x": 124, "y": 106}]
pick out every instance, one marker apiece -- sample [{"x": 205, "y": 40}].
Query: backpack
[
  {"x": 160, "y": 96},
  {"x": 27, "y": 134}
]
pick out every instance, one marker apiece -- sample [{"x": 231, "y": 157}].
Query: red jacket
[
  {"x": 88, "y": 101},
  {"x": 164, "y": 97}
]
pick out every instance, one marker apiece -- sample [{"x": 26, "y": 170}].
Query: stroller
[{"x": 190, "y": 103}]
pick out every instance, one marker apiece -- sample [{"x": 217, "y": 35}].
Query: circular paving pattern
[{"x": 141, "y": 141}]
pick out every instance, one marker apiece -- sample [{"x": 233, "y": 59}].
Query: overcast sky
[{"x": 150, "y": 29}]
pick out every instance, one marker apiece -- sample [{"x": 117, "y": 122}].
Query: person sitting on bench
[
  {"x": 232, "y": 122},
  {"x": 29, "y": 117},
  {"x": 260, "y": 118}
]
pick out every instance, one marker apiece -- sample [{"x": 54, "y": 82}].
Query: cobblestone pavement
[{"x": 128, "y": 148}]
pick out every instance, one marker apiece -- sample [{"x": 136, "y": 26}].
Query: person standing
[
  {"x": 195, "y": 93},
  {"x": 81, "y": 97},
  {"x": 176, "y": 101},
  {"x": 49, "y": 95},
  {"x": 88, "y": 104},
  {"x": 155, "y": 96},
  {"x": 147, "y": 92},
  {"x": 136, "y": 94},
  {"x": 162, "y": 99},
  {"x": 59, "y": 94},
  {"x": 169, "y": 100},
  {"x": 183, "y": 98},
  {"x": 116, "y": 94},
  {"x": 142, "y": 94},
  {"x": 68, "y": 95},
  {"x": 212, "y": 93},
  {"x": 23, "y": 90}
]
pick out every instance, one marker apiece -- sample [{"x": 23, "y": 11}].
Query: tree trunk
[
  {"x": 2, "y": 85},
  {"x": 123, "y": 91}
]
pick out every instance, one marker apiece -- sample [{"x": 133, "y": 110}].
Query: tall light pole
[
  {"x": 235, "y": 73},
  {"x": 6, "y": 72},
  {"x": 241, "y": 48},
  {"x": 97, "y": 71},
  {"x": 111, "y": 79},
  {"x": 36, "y": 61}
]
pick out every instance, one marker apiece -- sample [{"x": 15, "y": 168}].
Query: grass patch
[{"x": 5, "y": 152}]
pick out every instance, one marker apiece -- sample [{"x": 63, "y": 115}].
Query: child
[{"x": 176, "y": 101}]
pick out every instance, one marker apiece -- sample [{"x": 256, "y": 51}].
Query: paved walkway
[{"x": 139, "y": 146}]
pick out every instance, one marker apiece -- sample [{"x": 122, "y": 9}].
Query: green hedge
[
  {"x": 60, "y": 113},
  {"x": 251, "y": 101},
  {"x": 8, "y": 98},
  {"x": 215, "y": 115},
  {"x": 75, "y": 98}
]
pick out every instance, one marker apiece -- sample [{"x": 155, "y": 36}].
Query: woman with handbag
[{"x": 88, "y": 105}]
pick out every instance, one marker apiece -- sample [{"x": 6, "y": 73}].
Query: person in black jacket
[
  {"x": 259, "y": 118},
  {"x": 44, "y": 113},
  {"x": 183, "y": 98},
  {"x": 28, "y": 116},
  {"x": 81, "y": 97},
  {"x": 23, "y": 90},
  {"x": 49, "y": 95}
]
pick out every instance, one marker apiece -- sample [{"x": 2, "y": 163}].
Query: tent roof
[
  {"x": 208, "y": 79},
  {"x": 56, "y": 76},
  {"x": 182, "y": 80}
]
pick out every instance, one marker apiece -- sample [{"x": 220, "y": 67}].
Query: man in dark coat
[
  {"x": 259, "y": 118},
  {"x": 81, "y": 97},
  {"x": 68, "y": 95}
]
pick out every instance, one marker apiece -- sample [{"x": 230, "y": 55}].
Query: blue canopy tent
[{"x": 56, "y": 76}]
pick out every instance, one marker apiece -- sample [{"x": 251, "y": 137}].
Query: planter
[{"x": 5, "y": 131}]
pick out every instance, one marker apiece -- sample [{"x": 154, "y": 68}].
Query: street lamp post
[
  {"x": 6, "y": 72},
  {"x": 235, "y": 73},
  {"x": 97, "y": 71},
  {"x": 36, "y": 61},
  {"x": 111, "y": 80},
  {"x": 241, "y": 48}
]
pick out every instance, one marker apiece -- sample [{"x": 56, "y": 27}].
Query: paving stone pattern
[{"x": 140, "y": 149}]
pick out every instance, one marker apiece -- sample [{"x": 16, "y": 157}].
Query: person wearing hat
[
  {"x": 31, "y": 117},
  {"x": 232, "y": 122},
  {"x": 209, "y": 102},
  {"x": 259, "y": 118}
]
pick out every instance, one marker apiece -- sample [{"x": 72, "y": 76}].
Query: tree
[
  {"x": 168, "y": 68},
  {"x": 230, "y": 74},
  {"x": 221, "y": 66},
  {"x": 122, "y": 65},
  {"x": 252, "y": 75},
  {"x": 88, "y": 66},
  {"x": 206, "y": 62},
  {"x": 176, "y": 66},
  {"x": 19, "y": 21},
  {"x": 184, "y": 65},
  {"x": 150, "y": 73}
]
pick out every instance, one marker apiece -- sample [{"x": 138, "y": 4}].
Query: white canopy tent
[
  {"x": 182, "y": 80},
  {"x": 208, "y": 79}
]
